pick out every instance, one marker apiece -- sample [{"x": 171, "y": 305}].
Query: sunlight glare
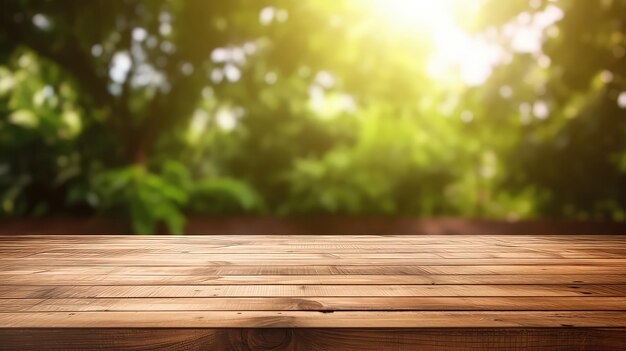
[
  {"x": 471, "y": 57},
  {"x": 458, "y": 54},
  {"x": 427, "y": 15}
]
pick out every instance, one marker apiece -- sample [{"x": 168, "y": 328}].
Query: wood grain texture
[
  {"x": 423, "y": 339},
  {"x": 320, "y": 292},
  {"x": 326, "y": 304},
  {"x": 315, "y": 319}
]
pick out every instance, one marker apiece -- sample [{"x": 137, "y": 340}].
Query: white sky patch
[
  {"x": 120, "y": 65},
  {"x": 115, "y": 88},
  {"x": 325, "y": 79},
  {"x": 328, "y": 105},
  {"x": 544, "y": 61},
  {"x": 621, "y": 99},
  {"x": 41, "y": 21},
  {"x": 526, "y": 32},
  {"x": 227, "y": 118},
  {"x": 137, "y": 52},
  {"x": 541, "y": 110},
  {"x": 220, "y": 55},
  {"x": 249, "y": 48},
  {"x": 233, "y": 54},
  {"x": 147, "y": 75},
  {"x": 217, "y": 75},
  {"x": 47, "y": 91},
  {"x": 266, "y": 16},
  {"x": 346, "y": 103},
  {"x": 24, "y": 61},
  {"x": 232, "y": 73},
  {"x": 97, "y": 50},
  {"x": 316, "y": 98},
  {"x": 165, "y": 17},
  {"x": 233, "y": 58},
  {"x": 606, "y": 76},
  {"x": 506, "y": 91},
  {"x": 152, "y": 42},
  {"x": 467, "y": 116},
  {"x": 139, "y": 34},
  {"x": 238, "y": 55},
  {"x": 186, "y": 68},
  {"x": 207, "y": 93},
  {"x": 43, "y": 95},
  {"x": 165, "y": 29},
  {"x": 167, "y": 47},
  {"x": 271, "y": 78}
]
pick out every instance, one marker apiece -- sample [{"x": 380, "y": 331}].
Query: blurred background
[{"x": 140, "y": 115}]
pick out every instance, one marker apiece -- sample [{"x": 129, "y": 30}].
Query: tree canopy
[{"x": 154, "y": 110}]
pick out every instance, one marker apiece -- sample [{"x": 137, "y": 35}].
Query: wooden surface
[{"x": 313, "y": 292}]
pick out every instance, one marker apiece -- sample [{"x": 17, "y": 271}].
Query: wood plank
[
  {"x": 351, "y": 303},
  {"x": 423, "y": 339},
  {"x": 321, "y": 270},
  {"x": 310, "y": 319},
  {"x": 173, "y": 291},
  {"x": 191, "y": 261},
  {"x": 309, "y": 256},
  {"x": 389, "y": 258},
  {"x": 97, "y": 277}
]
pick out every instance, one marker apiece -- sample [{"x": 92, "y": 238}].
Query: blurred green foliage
[{"x": 154, "y": 110}]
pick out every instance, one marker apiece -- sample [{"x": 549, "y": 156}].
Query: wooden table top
[{"x": 377, "y": 281}]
